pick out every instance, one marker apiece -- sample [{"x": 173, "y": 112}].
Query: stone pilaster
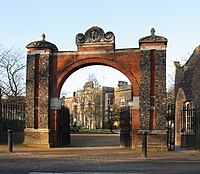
[
  {"x": 44, "y": 90},
  {"x": 30, "y": 83},
  {"x": 145, "y": 77},
  {"x": 161, "y": 104}
]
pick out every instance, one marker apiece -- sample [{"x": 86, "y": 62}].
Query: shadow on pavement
[{"x": 94, "y": 140}]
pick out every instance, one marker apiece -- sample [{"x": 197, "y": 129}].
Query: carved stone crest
[{"x": 95, "y": 35}]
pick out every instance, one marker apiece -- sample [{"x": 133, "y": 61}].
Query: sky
[{"x": 24, "y": 21}]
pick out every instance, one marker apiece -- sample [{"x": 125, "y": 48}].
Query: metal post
[
  {"x": 10, "y": 141},
  {"x": 1, "y": 124},
  {"x": 198, "y": 135},
  {"x": 110, "y": 110},
  {"x": 144, "y": 144},
  {"x": 197, "y": 132},
  {"x": 170, "y": 139}
]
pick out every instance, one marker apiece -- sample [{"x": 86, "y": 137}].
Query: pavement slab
[{"x": 102, "y": 159}]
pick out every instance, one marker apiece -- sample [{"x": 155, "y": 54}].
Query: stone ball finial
[
  {"x": 153, "y": 32},
  {"x": 43, "y": 37}
]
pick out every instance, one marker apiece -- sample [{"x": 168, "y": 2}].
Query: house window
[
  {"x": 122, "y": 102},
  {"x": 188, "y": 118}
]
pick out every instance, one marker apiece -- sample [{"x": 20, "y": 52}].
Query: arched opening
[
  {"x": 180, "y": 99},
  {"x": 68, "y": 70},
  {"x": 105, "y": 75},
  {"x": 95, "y": 104}
]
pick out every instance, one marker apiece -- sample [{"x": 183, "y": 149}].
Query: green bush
[{"x": 75, "y": 128}]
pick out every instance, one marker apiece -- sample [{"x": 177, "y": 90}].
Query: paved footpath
[{"x": 92, "y": 159}]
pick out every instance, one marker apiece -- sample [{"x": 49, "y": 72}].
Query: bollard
[
  {"x": 144, "y": 144},
  {"x": 10, "y": 141}
]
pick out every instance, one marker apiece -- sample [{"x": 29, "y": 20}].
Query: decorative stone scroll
[
  {"x": 94, "y": 35},
  {"x": 153, "y": 38}
]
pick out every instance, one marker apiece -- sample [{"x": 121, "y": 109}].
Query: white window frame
[
  {"x": 122, "y": 102},
  {"x": 189, "y": 122}
]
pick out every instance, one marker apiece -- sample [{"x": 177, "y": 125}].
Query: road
[{"x": 100, "y": 159}]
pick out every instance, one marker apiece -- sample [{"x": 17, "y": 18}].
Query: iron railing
[
  {"x": 12, "y": 117},
  {"x": 170, "y": 126},
  {"x": 190, "y": 125}
]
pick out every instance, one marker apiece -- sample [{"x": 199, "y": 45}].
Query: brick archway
[
  {"x": 48, "y": 68},
  {"x": 119, "y": 65}
]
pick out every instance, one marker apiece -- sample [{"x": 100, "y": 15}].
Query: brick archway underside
[{"x": 68, "y": 69}]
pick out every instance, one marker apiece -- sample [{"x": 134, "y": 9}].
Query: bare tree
[
  {"x": 171, "y": 79},
  {"x": 92, "y": 78},
  {"x": 12, "y": 73},
  {"x": 171, "y": 95}
]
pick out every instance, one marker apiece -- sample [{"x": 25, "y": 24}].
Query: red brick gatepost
[{"x": 48, "y": 68}]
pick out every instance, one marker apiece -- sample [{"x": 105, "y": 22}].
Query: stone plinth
[{"x": 37, "y": 137}]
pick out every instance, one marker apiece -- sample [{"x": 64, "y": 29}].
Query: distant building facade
[
  {"x": 123, "y": 94},
  {"x": 87, "y": 105},
  {"x": 187, "y": 98},
  {"x": 107, "y": 102},
  {"x": 68, "y": 103},
  {"x": 90, "y": 107}
]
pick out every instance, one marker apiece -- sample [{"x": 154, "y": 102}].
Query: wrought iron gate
[
  {"x": 171, "y": 127},
  {"x": 125, "y": 125},
  {"x": 190, "y": 128},
  {"x": 64, "y": 127}
]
